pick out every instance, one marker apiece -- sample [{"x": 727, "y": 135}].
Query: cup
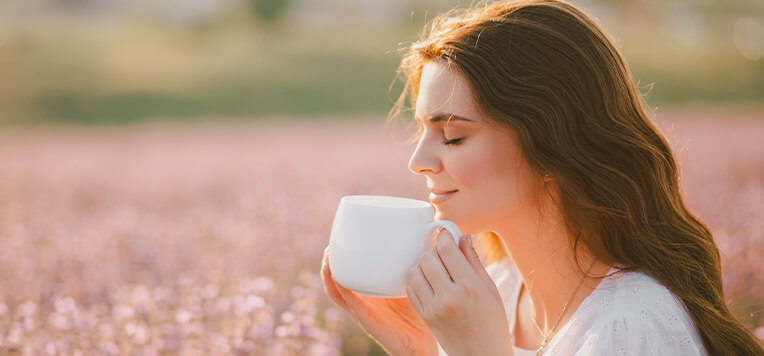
[{"x": 376, "y": 239}]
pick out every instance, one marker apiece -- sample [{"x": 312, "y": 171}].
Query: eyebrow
[{"x": 444, "y": 117}]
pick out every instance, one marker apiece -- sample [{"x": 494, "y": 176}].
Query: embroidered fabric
[{"x": 628, "y": 313}]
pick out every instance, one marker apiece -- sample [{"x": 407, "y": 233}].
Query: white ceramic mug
[{"x": 376, "y": 239}]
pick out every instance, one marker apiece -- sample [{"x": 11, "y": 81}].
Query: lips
[
  {"x": 440, "y": 191},
  {"x": 439, "y": 196}
]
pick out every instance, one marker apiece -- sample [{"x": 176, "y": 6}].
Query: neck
[{"x": 541, "y": 250}]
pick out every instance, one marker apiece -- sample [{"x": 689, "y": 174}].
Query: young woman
[{"x": 533, "y": 138}]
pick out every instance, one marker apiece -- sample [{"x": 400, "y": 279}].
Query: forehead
[{"x": 443, "y": 92}]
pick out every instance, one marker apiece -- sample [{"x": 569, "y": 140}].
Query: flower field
[{"x": 206, "y": 238}]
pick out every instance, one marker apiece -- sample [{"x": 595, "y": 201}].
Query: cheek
[
  {"x": 482, "y": 169},
  {"x": 472, "y": 164},
  {"x": 470, "y": 172},
  {"x": 495, "y": 178}
]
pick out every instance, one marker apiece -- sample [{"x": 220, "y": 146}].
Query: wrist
[{"x": 426, "y": 348}]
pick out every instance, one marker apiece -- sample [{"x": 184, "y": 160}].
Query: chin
[
  {"x": 465, "y": 226},
  {"x": 440, "y": 215}
]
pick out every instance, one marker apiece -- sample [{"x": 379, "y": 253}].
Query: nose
[{"x": 424, "y": 159}]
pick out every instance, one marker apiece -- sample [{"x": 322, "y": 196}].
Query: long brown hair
[{"x": 547, "y": 70}]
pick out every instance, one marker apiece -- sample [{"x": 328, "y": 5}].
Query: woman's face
[{"x": 493, "y": 183}]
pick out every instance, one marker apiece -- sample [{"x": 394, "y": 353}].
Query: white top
[{"x": 629, "y": 313}]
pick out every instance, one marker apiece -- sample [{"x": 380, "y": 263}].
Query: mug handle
[{"x": 446, "y": 224}]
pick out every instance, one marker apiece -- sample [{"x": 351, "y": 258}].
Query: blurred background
[
  {"x": 171, "y": 168},
  {"x": 94, "y": 61}
]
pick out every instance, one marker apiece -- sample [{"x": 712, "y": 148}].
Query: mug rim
[{"x": 355, "y": 199}]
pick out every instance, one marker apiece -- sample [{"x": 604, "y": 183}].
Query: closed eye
[{"x": 420, "y": 132}]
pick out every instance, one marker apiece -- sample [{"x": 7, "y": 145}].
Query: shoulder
[
  {"x": 503, "y": 272},
  {"x": 632, "y": 313},
  {"x": 506, "y": 277},
  {"x": 497, "y": 267},
  {"x": 637, "y": 292}
]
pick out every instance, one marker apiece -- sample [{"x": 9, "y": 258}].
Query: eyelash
[{"x": 455, "y": 141}]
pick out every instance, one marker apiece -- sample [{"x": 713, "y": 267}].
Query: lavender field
[{"x": 206, "y": 238}]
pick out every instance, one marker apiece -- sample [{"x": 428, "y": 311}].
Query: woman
[{"x": 533, "y": 138}]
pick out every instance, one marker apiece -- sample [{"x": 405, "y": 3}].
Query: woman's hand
[
  {"x": 457, "y": 299},
  {"x": 392, "y": 322}
]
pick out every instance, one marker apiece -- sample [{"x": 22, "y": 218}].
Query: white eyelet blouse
[{"x": 628, "y": 313}]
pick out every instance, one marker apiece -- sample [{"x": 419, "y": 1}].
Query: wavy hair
[{"x": 550, "y": 72}]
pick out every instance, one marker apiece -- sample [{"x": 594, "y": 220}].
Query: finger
[
  {"x": 468, "y": 249},
  {"x": 354, "y": 304},
  {"x": 419, "y": 284},
  {"x": 434, "y": 271},
  {"x": 453, "y": 259},
  {"x": 351, "y": 300},
  {"x": 330, "y": 287},
  {"x": 342, "y": 296}
]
